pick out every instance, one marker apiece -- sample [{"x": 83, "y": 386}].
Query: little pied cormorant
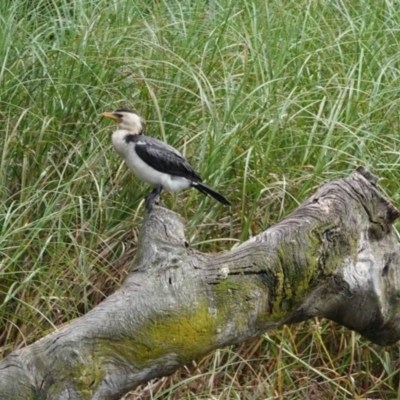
[{"x": 154, "y": 161}]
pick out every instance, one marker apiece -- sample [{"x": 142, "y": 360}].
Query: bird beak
[{"x": 111, "y": 116}]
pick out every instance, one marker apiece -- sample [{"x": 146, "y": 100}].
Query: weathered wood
[{"x": 336, "y": 256}]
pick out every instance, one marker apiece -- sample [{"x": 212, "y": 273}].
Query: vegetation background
[{"x": 268, "y": 99}]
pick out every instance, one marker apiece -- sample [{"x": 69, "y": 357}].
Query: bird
[{"x": 154, "y": 161}]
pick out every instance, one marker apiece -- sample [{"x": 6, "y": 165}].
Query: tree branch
[{"x": 336, "y": 256}]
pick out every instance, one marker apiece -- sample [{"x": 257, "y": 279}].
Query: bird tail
[{"x": 203, "y": 188}]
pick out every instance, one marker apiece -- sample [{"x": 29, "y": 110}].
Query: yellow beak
[{"x": 111, "y": 116}]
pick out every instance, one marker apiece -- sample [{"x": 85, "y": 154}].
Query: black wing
[{"x": 164, "y": 158}]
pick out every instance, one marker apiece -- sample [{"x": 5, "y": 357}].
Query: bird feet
[{"x": 153, "y": 197}]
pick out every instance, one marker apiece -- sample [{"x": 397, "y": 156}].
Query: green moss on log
[
  {"x": 88, "y": 376},
  {"x": 187, "y": 334}
]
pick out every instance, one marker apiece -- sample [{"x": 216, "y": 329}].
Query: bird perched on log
[{"x": 154, "y": 161}]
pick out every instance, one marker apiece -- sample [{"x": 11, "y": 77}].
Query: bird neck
[
  {"x": 131, "y": 131},
  {"x": 134, "y": 130},
  {"x": 119, "y": 142}
]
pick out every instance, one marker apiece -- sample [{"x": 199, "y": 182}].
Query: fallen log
[{"x": 336, "y": 256}]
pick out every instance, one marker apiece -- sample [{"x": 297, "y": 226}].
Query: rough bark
[{"x": 336, "y": 256}]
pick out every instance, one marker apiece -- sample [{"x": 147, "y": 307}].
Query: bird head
[{"x": 126, "y": 119}]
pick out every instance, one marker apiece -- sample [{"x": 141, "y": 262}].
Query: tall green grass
[{"x": 268, "y": 99}]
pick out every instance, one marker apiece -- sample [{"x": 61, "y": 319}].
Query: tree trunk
[{"x": 336, "y": 257}]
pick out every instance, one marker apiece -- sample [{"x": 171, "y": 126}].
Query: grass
[{"x": 267, "y": 100}]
